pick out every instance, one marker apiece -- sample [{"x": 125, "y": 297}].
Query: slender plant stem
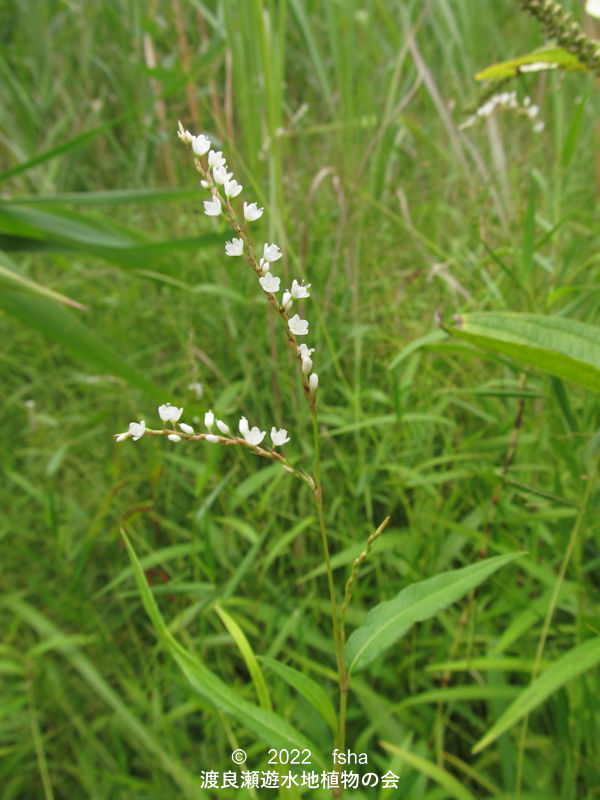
[{"x": 339, "y": 645}]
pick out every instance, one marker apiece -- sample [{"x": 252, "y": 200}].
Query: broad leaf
[
  {"x": 390, "y": 620},
  {"x": 563, "y": 347},
  {"x": 578, "y": 660},
  {"x": 546, "y": 58}
]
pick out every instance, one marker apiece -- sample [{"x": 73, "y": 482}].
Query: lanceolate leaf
[
  {"x": 578, "y": 660},
  {"x": 563, "y": 347},
  {"x": 390, "y": 620},
  {"x": 272, "y": 729},
  {"x": 547, "y": 58},
  {"x": 308, "y": 688}
]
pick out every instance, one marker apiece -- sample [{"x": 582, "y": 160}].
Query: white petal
[
  {"x": 200, "y": 144},
  {"x": 270, "y": 283},
  {"x": 174, "y": 437},
  {"x": 212, "y": 208},
  {"x": 222, "y": 427},
  {"x": 298, "y": 326},
  {"x": 271, "y": 252},
  {"x": 186, "y": 428},
  {"x": 252, "y": 212}
]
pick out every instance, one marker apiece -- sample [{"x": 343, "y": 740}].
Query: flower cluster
[
  {"x": 505, "y": 101},
  {"x": 171, "y": 414},
  {"x": 223, "y": 189}
]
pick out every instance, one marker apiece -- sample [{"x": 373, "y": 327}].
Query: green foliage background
[{"x": 342, "y": 119}]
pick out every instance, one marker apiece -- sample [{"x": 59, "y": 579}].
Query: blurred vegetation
[{"x": 343, "y": 120}]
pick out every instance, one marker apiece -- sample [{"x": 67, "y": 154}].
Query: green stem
[{"x": 339, "y": 645}]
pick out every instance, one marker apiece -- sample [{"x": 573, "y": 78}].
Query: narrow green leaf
[
  {"x": 239, "y": 637},
  {"x": 272, "y": 729},
  {"x": 138, "y": 733},
  {"x": 390, "y": 620},
  {"x": 307, "y": 687},
  {"x": 437, "y": 774},
  {"x": 563, "y": 347},
  {"x": 544, "y": 59},
  {"x": 15, "y": 280},
  {"x": 578, "y": 660},
  {"x": 62, "y": 326}
]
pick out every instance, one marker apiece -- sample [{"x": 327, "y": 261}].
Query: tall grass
[{"x": 343, "y": 119}]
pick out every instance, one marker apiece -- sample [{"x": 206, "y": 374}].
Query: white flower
[
  {"x": 313, "y": 382},
  {"x": 305, "y": 351},
  {"x": 298, "y": 326},
  {"x": 183, "y": 134},
  {"x": 592, "y": 7},
  {"x": 210, "y": 437},
  {"x": 220, "y": 174},
  {"x": 299, "y": 290},
  {"x": 243, "y": 426},
  {"x": 209, "y": 418},
  {"x": 233, "y": 188},
  {"x": 174, "y": 437},
  {"x": 254, "y": 436},
  {"x": 169, "y": 413},
  {"x": 271, "y": 252},
  {"x": 137, "y": 429},
  {"x": 306, "y": 365},
  {"x": 263, "y": 266},
  {"x": 270, "y": 283},
  {"x": 204, "y": 184},
  {"x": 186, "y": 428},
  {"x": 119, "y": 437},
  {"x": 279, "y": 437},
  {"x": 216, "y": 159},
  {"x": 212, "y": 208},
  {"x": 252, "y": 212},
  {"x": 197, "y": 388},
  {"x": 539, "y": 126},
  {"x": 200, "y": 144},
  {"x": 234, "y": 248},
  {"x": 222, "y": 427},
  {"x": 286, "y": 300}
]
